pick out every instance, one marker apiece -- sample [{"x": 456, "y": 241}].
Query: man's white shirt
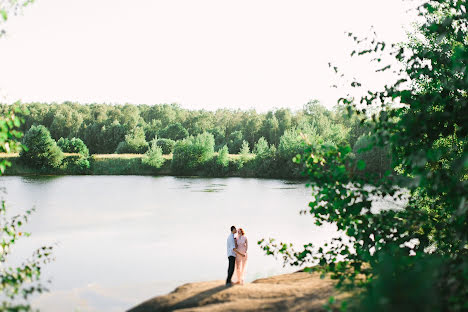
[{"x": 231, "y": 244}]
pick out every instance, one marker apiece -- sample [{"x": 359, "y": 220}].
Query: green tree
[
  {"x": 41, "y": 150},
  {"x": 234, "y": 141},
  {"x": 135, "y": 142},
  {"x": 191, "y": 153},
  {"x": 9, "y": 137},
  {"x": 167, "y": 145},
  {"x": 423, "y": 241},
  {"x": 73, "y": 145},
  {"x": 261, "y": 147},
  {"x": 223, "y": 157},
  {"x": 67, "y": 122},
  {"x": 174, "y": 132},
  {"x": 154, "y": 155}
]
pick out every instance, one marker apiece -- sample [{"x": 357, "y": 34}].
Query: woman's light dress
[{"x": 241, "y": 262}]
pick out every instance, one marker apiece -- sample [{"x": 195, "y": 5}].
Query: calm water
[{"x": 124, "y": 239}]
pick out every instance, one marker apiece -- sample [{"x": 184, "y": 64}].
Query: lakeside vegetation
[
  {"x": 413, "y": 257},
  {"x": 167, "y": 139}
]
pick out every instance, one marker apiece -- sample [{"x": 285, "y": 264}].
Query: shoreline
[
  {"x": 299, "y": 291},
  {"x": 131, "y": 164}
]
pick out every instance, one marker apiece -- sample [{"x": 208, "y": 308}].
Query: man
[{"x": 231, "y": 253}]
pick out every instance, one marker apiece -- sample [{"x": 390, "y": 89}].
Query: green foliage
[
  {"x": 234, "y": 142},
  {"x": 174, "y": 132},
  {"x": 9, "y": 137},
  {"x": 154, "y": 155},
  {"x": 222, "y": 157},
  {"x": 245, "y": 148},
  {"x": 78, "y": 164},
  {"x": 261, "y": 148},
  {"x": 264, "y": 163},
  {"x": 167, "y": 145},
  {"x": 245, "y": 151},
  {"x": 135, "y": 143},
  {"x": 74, "y": 145},
  {"x": 371, "y": 159},
  {"x": 191, "y": 153},
  {"x": 17, "y": 282},
  {"x": 102, "y": 127},
  {"x": 41, "y": 150},
  {"x": 414, "y": 256}
]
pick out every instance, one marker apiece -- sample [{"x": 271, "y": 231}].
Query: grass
[{"x": 118, "y": 164}]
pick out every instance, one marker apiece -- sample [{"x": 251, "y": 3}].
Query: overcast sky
[{"x": 201, "y": 54}]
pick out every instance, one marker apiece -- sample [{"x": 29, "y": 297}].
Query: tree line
[{"x": 194, "y": 136}]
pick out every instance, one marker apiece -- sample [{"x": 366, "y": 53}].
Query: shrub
[
  {"x": 74, "y": 145},
  {"x": 191, "y": 153},
  {"x": 167, "y": 145},
  {"x": 223, "y": 157},
  {"x": 135, "y": 143},
  {"x": 42, "y": 151},
  {"x": 76, "y": 164},
  {"x": 264, "y": 163},
  {"x": 154, "y": 156}
]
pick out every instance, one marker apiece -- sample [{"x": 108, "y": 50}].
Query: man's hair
[{"x": 233, "y": 228}]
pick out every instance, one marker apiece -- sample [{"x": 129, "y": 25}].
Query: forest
[{"x": 201, "y": 142}]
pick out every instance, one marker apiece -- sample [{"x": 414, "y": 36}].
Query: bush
[
  {"x": 291, "y": 144},
  {"x": 76, "y": 164},
  {"x": 135, "y": 143},
  {"x": 41, "y": 150},
  {"x": 223, "y": 157},
  {"x": 220, "y": 165},
  {"x": 167, "y": 145},
  {"x": 264, "y": 163},
  {"x": 74, "y": 145},
  {"x": 191, "y": 153},
  {"x": 154, "y": 156}
]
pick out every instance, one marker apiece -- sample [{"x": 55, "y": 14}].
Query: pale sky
[{"x": 205, "y": 54}]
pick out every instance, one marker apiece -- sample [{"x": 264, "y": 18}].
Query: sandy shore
[{"x": 289, "y": 292}]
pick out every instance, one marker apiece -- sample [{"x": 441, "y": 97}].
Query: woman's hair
[{"x": 241, "y": 230}]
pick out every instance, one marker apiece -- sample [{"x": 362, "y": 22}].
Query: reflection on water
[{"x": 124, "y": 239}]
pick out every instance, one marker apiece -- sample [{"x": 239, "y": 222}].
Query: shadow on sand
[{"x": 190, "y": 302}]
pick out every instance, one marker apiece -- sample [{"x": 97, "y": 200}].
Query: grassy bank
[{"x": 131, "y": 164}]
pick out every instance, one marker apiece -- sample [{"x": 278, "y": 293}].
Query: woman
[{"x": 241, "y": 259}]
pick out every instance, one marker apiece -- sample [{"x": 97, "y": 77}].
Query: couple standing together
[{"x": 237, "y": 255}]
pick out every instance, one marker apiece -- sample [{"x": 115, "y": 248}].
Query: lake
[{"x": 123, "y": 239}]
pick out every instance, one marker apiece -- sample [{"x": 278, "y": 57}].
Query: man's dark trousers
[{"x": 232, "y": 261}]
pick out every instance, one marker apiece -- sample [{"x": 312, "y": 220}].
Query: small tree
[
  {"x": 74, "y": 145},
  {"x": 245, "y": 149},
  {"x": 223, "y": 157},
  {"x": 167, "y": 145},
  {"x": 154, "y": 155},
  {"x": 234, "y": 141},
  {"x": 191, "y": 153},
  {"x": 135, "y": 143},
  {"x": 41, "y": 150},
  {"x": 261, "y": 147}
]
